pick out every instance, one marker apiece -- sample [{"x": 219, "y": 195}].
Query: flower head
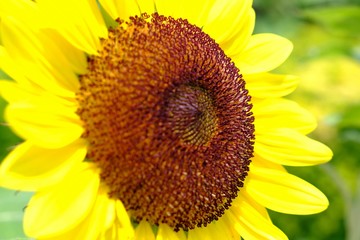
[{"x": 164, "y": 122}]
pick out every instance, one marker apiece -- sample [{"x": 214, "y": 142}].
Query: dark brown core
[
  {"x": 168, "y": 121},
  {"x": 191, "y": 114}
]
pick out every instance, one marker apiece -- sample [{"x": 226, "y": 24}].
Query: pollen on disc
[{"x": 168, "y": 121}]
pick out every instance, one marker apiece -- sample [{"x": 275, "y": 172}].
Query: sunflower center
[
  {"x": 191, "y": 114},
  {"x": 168, "y": 121}
]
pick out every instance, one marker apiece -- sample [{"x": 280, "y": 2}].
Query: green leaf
[
  {"x": 7, "y": 138},
  {"x": 12, "y": 206},
  {"x": 3, "y": 75},
  {"x": 342, "y": 21},
  {"x": 350, "y": 118}
]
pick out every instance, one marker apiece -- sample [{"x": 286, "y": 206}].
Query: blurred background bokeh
[{"x": 326, "y": 37}]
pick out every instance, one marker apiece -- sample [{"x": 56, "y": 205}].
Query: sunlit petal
[
  {"x": 283, "y": 192},
  {"x": 46, "y": 216},
  {"x": 263, "y": 53}
]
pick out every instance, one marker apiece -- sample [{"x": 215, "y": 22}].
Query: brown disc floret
[{"x": 168, "y": 121}]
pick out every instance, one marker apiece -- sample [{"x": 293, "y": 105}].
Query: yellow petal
[
  {"x": 122, "y": 9},
  {"x": 169, "y": 7},
  {"x": 267, "y": 85},
  {"x": 13, "y": 92},
  {"x": 111, "y": 233},
  {"x": 110, "y": 213},
  {"x": 83, "y": 25},
  {"x": 147, "y": 6},
  {"x": 263, "y": 53},
  {"x": 196, "y": 12},
  {"x": 229, "y": 222},
  {"x": 226, "y": 18},
  {"x": 30, "y": 168},
  {"x": 261, "y": 162},
  {"x": 124, "y": 229},
  {"x": 236, "y": 41},
  {"x": 167, "y": 233},
  {"x": 110, "y": 7},
  {"x": 58, "y": 209},
  {"x": 144, "y": 232},
  {"x": 259, "y": 208},
  {"x": 60, "y": 54},
  {"x": 13, "y": 7},
  {"x": 283, "y": 192},
  {"x": 124, "y": 233},
  {"x": 250, "y": 223},
  {"x": 289, "y": 147},
  {"x": 117, "y": 232},
  {"x": 282, "y": 113},
  {"x": 41, "y": 126},
  {"x": 91, "y": 227},
  {"x": 19, "y": 9},
  {"x": 220, "y": 229},
  {"x": 38, "y": 58},
  {"x": 9, "y": 66},
  {"x": 199, "y": 233}
]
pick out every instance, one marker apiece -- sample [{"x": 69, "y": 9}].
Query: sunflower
[{"x": 152, "y": 120}]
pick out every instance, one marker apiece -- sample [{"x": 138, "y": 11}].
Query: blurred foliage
[
  {"x": 326, "y": 37},
  {"x": 11, "y": 214},
  {"x": 7, "y": 138},
  {"x": 11, "y": 203}
]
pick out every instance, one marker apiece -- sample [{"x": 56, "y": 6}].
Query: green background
[{"x": 326, "y": 36}]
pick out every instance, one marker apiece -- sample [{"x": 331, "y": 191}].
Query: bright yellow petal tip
[
  {"x": 283, "y": 192},
  {"x": 57, "y": 210},
  {"x": 264, "y": 53}
]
